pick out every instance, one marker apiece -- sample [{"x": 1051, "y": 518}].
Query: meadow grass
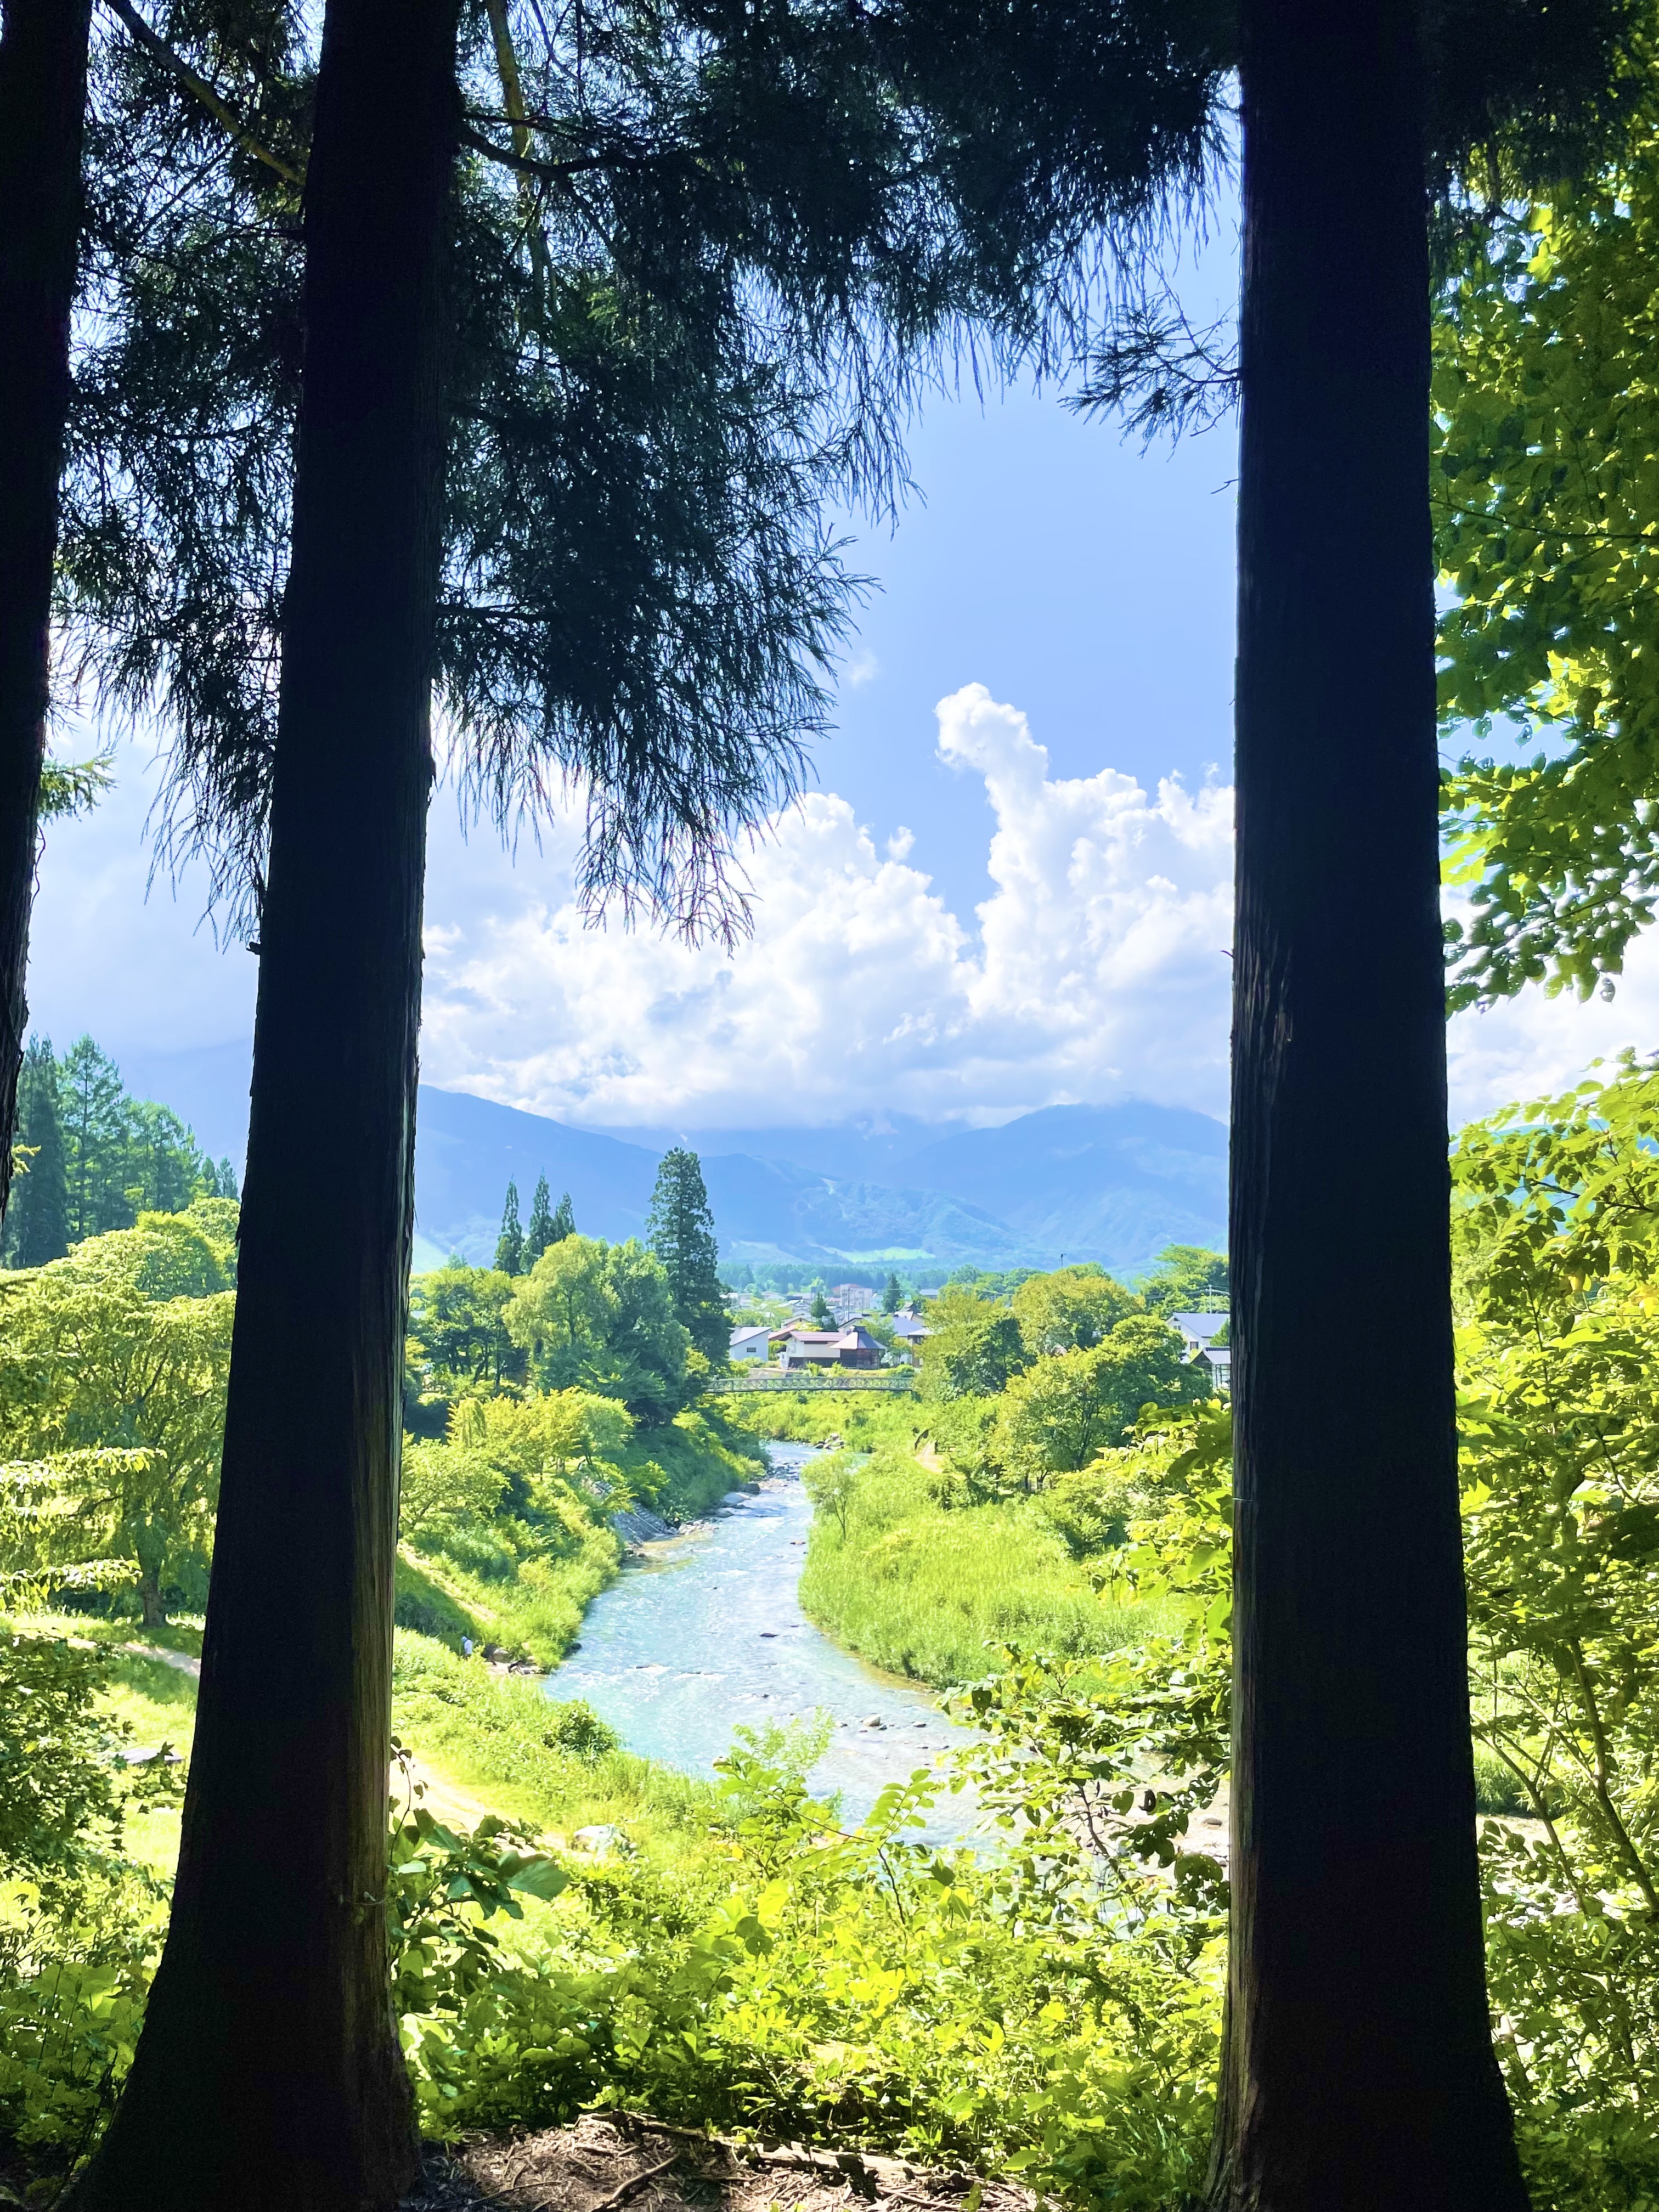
[{"x": 929, "y": 1589}]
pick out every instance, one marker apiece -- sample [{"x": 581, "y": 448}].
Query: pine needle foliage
[
  {"x": 700, "y": 271},
  {"x": 681, "y": 1229}
]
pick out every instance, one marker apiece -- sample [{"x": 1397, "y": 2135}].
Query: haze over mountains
[{"x": 1112, "y": 1183}]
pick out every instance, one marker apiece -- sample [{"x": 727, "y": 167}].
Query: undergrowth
[{"x": 522, "y": 1578}]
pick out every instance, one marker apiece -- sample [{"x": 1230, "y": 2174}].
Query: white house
[
  {"x": 748, "y": 1345},
  {"x": 1198, "y": 1329}
]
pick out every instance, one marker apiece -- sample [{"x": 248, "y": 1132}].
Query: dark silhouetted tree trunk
[
  {"x": 269, "y": 2074},
  {"x": 43, "y": 102},
  {"x": 1359, "y": 2075}
]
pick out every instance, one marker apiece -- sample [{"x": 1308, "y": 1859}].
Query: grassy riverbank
[
  {"x": 863, "y": 1418},
  {"x": 523, "y": 1578},
  {"x": 929, "y": 1589},
  {"x": 496, "y": 1739},
  {"x": 917, "y": 1577}
]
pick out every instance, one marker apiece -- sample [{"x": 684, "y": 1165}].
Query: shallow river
[{"x": 706, "y": 1632}]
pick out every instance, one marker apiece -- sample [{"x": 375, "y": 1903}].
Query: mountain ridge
[{"x": 1114, "y": 1183}]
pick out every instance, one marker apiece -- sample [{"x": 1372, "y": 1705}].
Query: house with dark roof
[{"x": 829, "y": 1347}]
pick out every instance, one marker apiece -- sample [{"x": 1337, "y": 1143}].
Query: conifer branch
[
  {"x": 198, "y": 87},
  {"x": 530, "y": 165},
  {"x": 507, "y": 65}
]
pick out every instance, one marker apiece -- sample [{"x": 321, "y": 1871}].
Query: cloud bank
[{"x": 1097, "y": 970}]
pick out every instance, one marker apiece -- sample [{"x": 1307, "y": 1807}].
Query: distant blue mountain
[
  {"x": 1113, "y": 1183},
  {"x": 205, "y": 1085},
  {"x": 467, "y": 1150}
]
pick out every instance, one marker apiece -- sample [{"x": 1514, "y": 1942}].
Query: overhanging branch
[{"x": 201, "y": 90}]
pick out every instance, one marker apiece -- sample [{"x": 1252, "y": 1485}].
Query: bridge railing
[{"x": 845, "y": 1378}]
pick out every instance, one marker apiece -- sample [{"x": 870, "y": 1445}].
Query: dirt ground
[{"x": 602, "y": 2165}]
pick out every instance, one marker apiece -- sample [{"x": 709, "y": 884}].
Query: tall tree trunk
[
  {"x": 269, "y": 2072},
  {"x": 43, "y": 102},
  {"x": 1359, "y": 2070}
]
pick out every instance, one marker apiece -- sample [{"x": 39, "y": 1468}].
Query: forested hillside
[{"x": 96, "y": 1158}]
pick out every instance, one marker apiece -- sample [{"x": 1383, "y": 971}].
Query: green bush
[
  {"x": 60, "y": 1816},
  {"x": 855, "y": 1988}
]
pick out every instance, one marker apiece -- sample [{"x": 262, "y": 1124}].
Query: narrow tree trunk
[
  {"x": 270, "y": 2074},
  {"x": 1359, "y": 2075},
  {"x": 43, "y": 100},
  {"x": 153, "y": 1613}
]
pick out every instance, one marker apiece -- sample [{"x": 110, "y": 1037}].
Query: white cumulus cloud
[
  {"x": 1536, "y": 1046},
  {"x": 1097, "y": 969}
]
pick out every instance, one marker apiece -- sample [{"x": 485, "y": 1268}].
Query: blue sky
[
  {"x": 1067, "y": 574},
  {"x": 1009, "y": 888}
]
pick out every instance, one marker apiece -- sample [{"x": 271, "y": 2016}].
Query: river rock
[
  {"x": 603, "y": 1836},
  {"x": 875, "y": 1721},
  {"x": 636, "y": 1526}
]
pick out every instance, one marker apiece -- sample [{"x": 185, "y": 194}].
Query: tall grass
[{"x": 921, "y": 1586}]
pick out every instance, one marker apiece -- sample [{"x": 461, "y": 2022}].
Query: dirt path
[
  {"x": 455, "y": 1807},
  {"x": 599, "y": 2165}
]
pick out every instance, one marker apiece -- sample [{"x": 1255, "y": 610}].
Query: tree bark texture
[
  {"x": 270, "y": 2072},
  {"x": 1357, "y": 2074},
  {"x": 43, "y": 100}
]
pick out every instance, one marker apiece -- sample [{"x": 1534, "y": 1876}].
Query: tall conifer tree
[
  {"x": 680, "y": 1228},
  {"x": 94, "y": 1114},
  {"x": 43, "y": 99},
  {"x": 268, "y": 2072},
  {"x": 540, "y": 1233},
  {"x": 1359, "y": 2070},
  {"x": 564, "y": 1220},
  {"x": 509, "y": 1245},
  {"x": 37, "y": 1221}
]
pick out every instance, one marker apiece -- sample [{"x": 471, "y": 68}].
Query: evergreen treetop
[
  {"x": 98, "y": 1157},
  {"x": 893, "y": 1296},
  {"x": 564, "y": 1220},
  {"x": 680, "y": 1228},
  {"x": 510, "y": 1244},
  {"x": 539, "y": 1233},
  {"x": 37, "y": 1221}
]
